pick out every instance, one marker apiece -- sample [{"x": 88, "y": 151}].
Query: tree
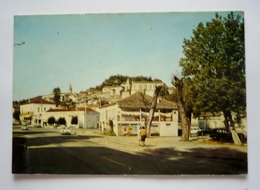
[
  {"x": 214, "y": 67},
  {"x": 183, "y": 97},
  {"x": 164, "y": 91},
  {"x": 16, "y": 115},
  {"x": 61, "y": 121},
  {"x": 152, "y": 107},
  {"x": 74, "y": 120},
  {"x": 56, "y": 98},
  {"x": 51, "y": 120}
]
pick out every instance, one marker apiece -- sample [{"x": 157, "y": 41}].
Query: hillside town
[{"x": 124, "y": 106}]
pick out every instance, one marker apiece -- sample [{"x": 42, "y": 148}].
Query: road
[{"x": 45, "y": 151}]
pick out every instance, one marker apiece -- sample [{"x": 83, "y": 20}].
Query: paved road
[{"x": 48, "y": 152}]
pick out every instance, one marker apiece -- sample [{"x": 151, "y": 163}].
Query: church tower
[
  {"x": 70, "y": 89},
  {"x": 127, "y": 85}
]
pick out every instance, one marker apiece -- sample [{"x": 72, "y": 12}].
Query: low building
[
  {"x": 131, "y": 87},
  {"x": 86, "y": 117},
  {"x": 130, "y": 113}
]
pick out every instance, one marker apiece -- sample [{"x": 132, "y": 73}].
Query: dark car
[
  {"x": 204, "y": 132},
  {"x": 221, "y": 135},
  {"x": 242, "y": 137}
]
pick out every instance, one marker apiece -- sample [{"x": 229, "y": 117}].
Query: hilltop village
[
  {"x": 122, "y": 104},
  {"x": 124, "y": 107}
]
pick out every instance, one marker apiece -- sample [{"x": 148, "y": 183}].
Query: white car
[
  {"x": 24, "y": 127},
  {"x": 194, "y": 131},
  {"x": 65, "y": 131}
]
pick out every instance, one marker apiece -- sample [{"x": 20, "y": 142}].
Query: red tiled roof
[
  {"x": 139, "y": 101},
  {"x": 71, "y": 109},
  {"x": 81, "y": 109},
  {"x": 38, "y": 101}
]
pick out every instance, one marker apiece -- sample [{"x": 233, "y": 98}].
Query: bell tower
[{"x": 70, "y": 89}]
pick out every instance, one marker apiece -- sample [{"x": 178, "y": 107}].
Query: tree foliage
[
  {"x": 214, "y": 67},
  {"x": 16, "y": 115},
  {"x": 51, "y": 120},
  {"x": 74, "y": 120},
  {"x": 61, "y": 121},
  {"x": 116, "y": 80},
  {"x": 56, "y": 91}
]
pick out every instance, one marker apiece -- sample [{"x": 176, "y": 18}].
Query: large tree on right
[{"x": 213, "y": 67}]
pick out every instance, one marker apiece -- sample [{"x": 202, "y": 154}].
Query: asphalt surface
[{"x": 87, "y": 151}]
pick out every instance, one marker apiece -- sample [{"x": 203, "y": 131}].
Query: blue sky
[{"x": 83, "y": 50}]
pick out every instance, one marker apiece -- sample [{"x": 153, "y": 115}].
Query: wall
[{"x": 85, "y": 119}]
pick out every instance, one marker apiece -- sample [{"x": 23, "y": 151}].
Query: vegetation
[
  {"x": 116, "y": 80},
  {"x": 20, "y": 102},
  {"x": 51, "y": 120},
  {"x": 16, "y": 115},
  {"x": 111, "y": 126},
  {"x": 56, "y": 98},
  {"x": 61, "y": 121},
  {"x": 152, "y": 107},
  {"x": 183, "y": 97},
  {"x": 74, "y": 120},
  {"x": 213, "y": 69}
]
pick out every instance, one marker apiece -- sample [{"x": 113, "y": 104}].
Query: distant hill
[{"x": 116, "y": 80}]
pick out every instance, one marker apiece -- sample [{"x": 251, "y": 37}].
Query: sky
[{"x": 85, "y": 49}]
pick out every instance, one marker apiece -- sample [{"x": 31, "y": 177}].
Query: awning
[{"x": 26, "y": 116}]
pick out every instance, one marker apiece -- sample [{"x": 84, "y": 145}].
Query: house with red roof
[
  {"x": 130, "y": 113},
  {"x": 32, "y": 110}
]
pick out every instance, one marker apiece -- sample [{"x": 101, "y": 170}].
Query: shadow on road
[
  {"x": 208, "y": 153},
  {"x": 102, "y": 160}
]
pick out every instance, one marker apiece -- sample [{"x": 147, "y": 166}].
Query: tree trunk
[
  {"x": 181, "y": 105},
  {"x": 152, "y": 110},
  {"x": 185, "y": 123},
  {"x": 229, "y": 124},
  {"x": 111, "y": 132},
  {"x": 228, "y": 119}
]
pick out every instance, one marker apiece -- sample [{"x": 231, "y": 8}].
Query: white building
[
  {"x": 130, "y": 113},
  {"x": 32, "y": 110},
  {"x": 113, "y": 90},
  {"x": 86, "y": 117},
  {"x": 216, "y": 120}
]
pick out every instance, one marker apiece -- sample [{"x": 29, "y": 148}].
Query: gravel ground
[{"x": 197, "y": 146}]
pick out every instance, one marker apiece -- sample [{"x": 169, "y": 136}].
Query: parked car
[
  {"x": 25, "y": 122},
  {"x": 204, "y": 132},
  {"x": 194, "y": 131},
  {"x": 221, "y": 134},
  {"x": 65, "y": 131},
  {"x": 24, "y": 127}
]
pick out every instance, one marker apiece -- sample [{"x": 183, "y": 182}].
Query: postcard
[{"x": 160, "y": 93}]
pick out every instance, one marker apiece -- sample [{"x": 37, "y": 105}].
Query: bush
[
  {"x": 61, "y": 121},
  {"x": 51, "y": 120},
  {"x": 74, "y": 120}
]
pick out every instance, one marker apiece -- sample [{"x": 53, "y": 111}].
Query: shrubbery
[{"x": 51, "y": 120}]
